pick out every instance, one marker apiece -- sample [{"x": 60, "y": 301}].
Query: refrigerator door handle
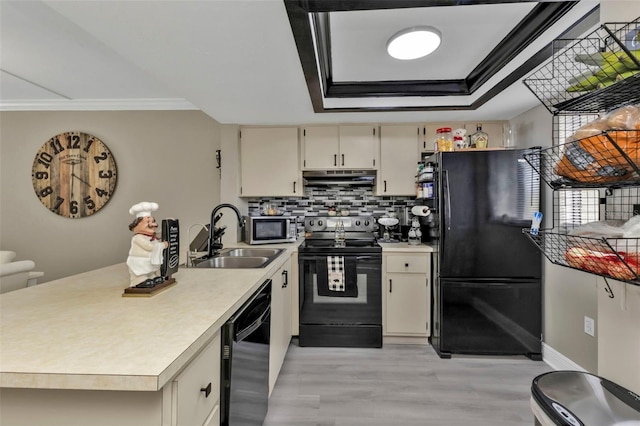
[{"x": 447, "y": 207}]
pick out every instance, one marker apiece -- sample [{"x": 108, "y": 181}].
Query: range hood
[{"x": 339, "y": 177}]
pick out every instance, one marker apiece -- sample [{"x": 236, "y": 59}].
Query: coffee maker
[
  {"x": 404, "y": 217},
  {"x": 429, "y": 227}
]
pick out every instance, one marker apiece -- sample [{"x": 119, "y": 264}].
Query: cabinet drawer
[
  {"x": 418, "y": 263},
  {"x": 192, "y": 404}
]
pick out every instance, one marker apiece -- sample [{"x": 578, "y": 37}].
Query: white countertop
[
  {"x": 402, "y": 247},
  {"x": 80, "y": 333}
]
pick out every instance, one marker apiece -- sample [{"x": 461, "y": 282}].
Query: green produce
[
  {"x": 599, "y": 59},
  {"x": 616, "y": 66},
  {"x": 601, "y": 84}
]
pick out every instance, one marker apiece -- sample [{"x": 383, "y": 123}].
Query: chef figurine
[{"x": 145, "y": 255}]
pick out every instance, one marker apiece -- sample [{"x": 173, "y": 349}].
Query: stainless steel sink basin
[
  {"x": 241, "y": 258},
  {"x": 251, "y": 252},
  {"x": 233, "y": 262}
]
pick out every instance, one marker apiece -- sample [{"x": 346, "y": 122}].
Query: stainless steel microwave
[{"x": 269, "y": 229}]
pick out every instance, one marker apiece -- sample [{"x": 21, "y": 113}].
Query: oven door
[{"x": 350, "y": 317}]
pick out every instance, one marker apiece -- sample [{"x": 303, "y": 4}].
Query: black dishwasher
[{"x": 244, "y": 377}]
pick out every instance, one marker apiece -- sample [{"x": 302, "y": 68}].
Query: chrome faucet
[{"x": 215, "y": 234}]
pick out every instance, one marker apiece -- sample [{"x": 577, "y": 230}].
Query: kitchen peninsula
[{"x": 74, "y": 351}]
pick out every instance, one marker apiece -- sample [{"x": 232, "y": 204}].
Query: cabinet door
[
  {"x": 358, "y": 147},
  {"x": 407, "y": 304},
  {"x": 399, "y": 156},
  {"x": 197, "y": 388},
  {"x": 280, "y": 321},
  {"x": 269, "y": 162},
  {"x": 320, "y": 147}
]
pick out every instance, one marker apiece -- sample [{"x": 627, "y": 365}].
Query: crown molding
[{"x": 153, "y": 104}]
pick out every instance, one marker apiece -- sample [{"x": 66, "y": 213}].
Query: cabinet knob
[
  {"x": 206, "y": 390},
  {"x": 406, "y": 265}
]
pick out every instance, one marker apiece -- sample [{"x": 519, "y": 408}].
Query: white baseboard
[
  {"x": 404, "y": 340},
  {"x": 557, "y": 361}
]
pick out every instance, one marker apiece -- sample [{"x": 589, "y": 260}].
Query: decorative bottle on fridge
[{"x": 479, "y": 139}]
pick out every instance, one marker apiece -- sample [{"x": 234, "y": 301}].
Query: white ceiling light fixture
[{"x": 414, "y": 43}]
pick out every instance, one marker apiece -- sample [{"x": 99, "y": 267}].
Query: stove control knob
[
  {"x": 311, "y": 223},
  {"x": 357, "y": 223},
  {"x": 366, "y": 223},
  {"x": 319, "y": 223}
]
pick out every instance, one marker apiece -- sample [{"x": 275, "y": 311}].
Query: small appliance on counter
[
  {"x": 270, "y": 229},
  {"x": 387, "y": 223}
]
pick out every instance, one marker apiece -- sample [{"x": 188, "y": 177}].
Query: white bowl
[{"x": 388, "y": 221}]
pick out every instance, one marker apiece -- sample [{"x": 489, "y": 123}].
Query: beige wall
[
  {"x": 162, "y": 156},
  {"x": 568, "y": 295}
]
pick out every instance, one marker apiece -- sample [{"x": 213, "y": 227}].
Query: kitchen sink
[
  {"x": 233, "y": 262},
  {"x": 251, "y": 252},
  {"x": 240, "y": 258}
]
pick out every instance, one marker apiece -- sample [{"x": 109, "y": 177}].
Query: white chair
[
  {"x": 7, "y": 256},
  {"x": 15, "y": 275}
]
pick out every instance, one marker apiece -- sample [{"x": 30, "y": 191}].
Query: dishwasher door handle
[{"x": 245, "y": 332}]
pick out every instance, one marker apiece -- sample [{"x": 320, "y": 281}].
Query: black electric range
[{"x": 349, "y": 315}]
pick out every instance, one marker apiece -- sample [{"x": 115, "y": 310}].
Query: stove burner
[{"x": 359, "y": 237}]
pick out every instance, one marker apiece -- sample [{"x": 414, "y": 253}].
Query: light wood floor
[{"x": 403, "y": 385}]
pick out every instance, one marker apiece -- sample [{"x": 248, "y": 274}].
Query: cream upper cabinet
[
  {"x": 269, "y": 159},
  {"x": 340, "y": 147},
  {"x": 400, "y": 147},
  {"x": 359, "y": 147},
  {"x": 408, "y": 293},
  {"x": 281, "y": 287}
]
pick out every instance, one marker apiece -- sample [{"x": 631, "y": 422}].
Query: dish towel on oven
[{"x": 335, "y": 273}]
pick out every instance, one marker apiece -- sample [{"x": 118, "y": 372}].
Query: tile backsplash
[{"x": 316, "y": 201}]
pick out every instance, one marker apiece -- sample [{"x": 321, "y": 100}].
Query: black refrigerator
[{"x": 487, "y": 296}]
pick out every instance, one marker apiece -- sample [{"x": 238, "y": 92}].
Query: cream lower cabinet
[
  {"x": 407, "y": 290},
  {"x": 399, "y": 156},
  {"x": 281, "y": 285},
  {"x": 269, "y": 158},
  {"x": 192, "y": 398}
]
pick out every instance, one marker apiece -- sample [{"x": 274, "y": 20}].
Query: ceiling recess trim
[
  {"x": 540, "y": 19},
  {"x": 152, "y": 104}
]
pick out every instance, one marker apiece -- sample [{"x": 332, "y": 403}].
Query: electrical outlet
[{"x": 589, "y": 326}]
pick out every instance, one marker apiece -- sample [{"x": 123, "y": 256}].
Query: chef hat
[{"x": 143, "y": 209}]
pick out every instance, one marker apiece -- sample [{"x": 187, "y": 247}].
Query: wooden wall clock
[{"x": 74, "y": 174}]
